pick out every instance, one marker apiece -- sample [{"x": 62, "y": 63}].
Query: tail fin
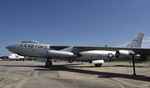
[{"x": 137, "y": 41}]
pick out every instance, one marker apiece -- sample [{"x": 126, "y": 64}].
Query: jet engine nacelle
[
  {"x": 98, "y": 54},
  {"x": 61, "y": 54},
  {"x": 124, "y": 53}
]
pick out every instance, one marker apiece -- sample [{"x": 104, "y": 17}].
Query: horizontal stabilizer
[{"x": 68, "y": 49}]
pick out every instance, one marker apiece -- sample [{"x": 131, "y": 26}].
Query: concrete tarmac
[{"x": 31, "y": 74}]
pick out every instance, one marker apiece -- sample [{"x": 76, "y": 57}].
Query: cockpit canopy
[{"x": 30, "y": 41}]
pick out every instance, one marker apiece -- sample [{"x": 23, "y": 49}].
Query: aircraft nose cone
[
  {"x": 13, "y": 48},
  {"x": 9, "y": 47}
]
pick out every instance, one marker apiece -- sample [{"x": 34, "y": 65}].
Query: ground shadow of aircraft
[
  {"x": 100, "y": 74},
  {"x": 71, "y": 69}
]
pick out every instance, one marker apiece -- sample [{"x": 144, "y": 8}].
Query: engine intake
[{"x": 124, "y": 53}]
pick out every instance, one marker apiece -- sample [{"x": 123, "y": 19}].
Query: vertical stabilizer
[{"x": 137, "y": 41}]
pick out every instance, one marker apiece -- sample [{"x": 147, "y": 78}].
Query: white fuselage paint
[
  {"x": 31, "y": 49},
  {"x": 95, "y": 54},
  {"x": 45, "y": 51}
]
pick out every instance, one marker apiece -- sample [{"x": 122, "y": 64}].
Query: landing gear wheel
[
  {"x": 48, "y": 64},
  {"x": 98, "y": 65}
]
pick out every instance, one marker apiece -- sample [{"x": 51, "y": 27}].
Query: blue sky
[{"x": 73, "y": 22}]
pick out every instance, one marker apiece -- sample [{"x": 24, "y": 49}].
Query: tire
[
  {"x": 48, "y": 64},
  {"x": 98, "y": 65}
]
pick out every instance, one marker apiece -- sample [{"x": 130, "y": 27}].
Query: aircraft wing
[{"x": 142, "y": 51}]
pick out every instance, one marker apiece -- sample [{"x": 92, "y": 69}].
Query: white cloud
[{"x": 146, "y": 42}]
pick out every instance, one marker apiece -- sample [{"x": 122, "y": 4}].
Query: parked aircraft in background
[
  {"x": 15, "y": 56},
  {"x": 95, "y": 55}
]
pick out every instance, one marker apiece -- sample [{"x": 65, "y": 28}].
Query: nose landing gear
[
  {"x": 48, "y": 63},
  {"x": 98, "y": 65}
]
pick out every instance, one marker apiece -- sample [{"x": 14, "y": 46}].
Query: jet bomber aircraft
[{"x": 95, "y": 55}]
